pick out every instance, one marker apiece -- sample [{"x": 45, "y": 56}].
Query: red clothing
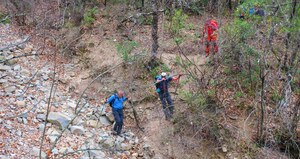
[{"x": 210, "y": 28}]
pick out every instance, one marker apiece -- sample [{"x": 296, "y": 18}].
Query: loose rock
[
  {"x": 108, "y": 143},
  {"x": 4, "y": 68},
  {"x": 91, "y": 123},
  {"x": 59, "y": 119},
  {"x": 21, "y": 104},
  {"x": 41, "y": 117},
  {"x": 77, "y": 130},
  {"x": 104, "y": 120},
  {"x": 36, "y": 151},
  {"x": 10, "y": 89}
]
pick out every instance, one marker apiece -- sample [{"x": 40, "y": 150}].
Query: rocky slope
[{"x": 25, "y": 87}]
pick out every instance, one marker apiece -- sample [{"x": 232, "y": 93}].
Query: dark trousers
[
  {"x": 118, "y": 115},
  {"x": 166, "y": 98}
]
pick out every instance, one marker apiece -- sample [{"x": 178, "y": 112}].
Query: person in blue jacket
[
  {"x": 162, "y": 84},
  {"x": 116, "y": 102}
]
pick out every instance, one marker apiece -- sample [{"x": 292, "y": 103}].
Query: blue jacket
[
  {"x": 118, "y": 103},
  {"x": 162, "y": 87}
]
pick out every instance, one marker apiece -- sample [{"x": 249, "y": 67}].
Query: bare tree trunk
[
  {"x": 20, "y": 14},
  {"x": 154, "y": 29},
  {"x": 293, "y": 10},
  {"x": 293, "y": 56},
  {"x": 262, "y": 104},
  {"x": 294, "y": 53},
  {"x": 229, "y": 5},
  {"x": 285, "y": 58},
  {"x": 296, "y": 117}
]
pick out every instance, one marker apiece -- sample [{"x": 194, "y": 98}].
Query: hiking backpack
[{"x": 112, "y": 101}]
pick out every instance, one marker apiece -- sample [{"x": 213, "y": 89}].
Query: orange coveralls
[{"x": 210, "y": 31}]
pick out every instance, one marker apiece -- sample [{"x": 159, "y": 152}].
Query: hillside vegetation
[{"x": 67, "y": 56}]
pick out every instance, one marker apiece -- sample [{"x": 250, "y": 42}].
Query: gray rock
[
  {"x": 4, "y": 157},
  {"x": 21, "y": 104},
  {"x": 59, "y": 119},
  {"x": 104, "y": 121},
  {"x": 54, "y": 151},
  {"x": 8, "y": 122},
  {"x": 89, "y": 134},
  {"x": 65, "y": 150},
  {"x": 108, "y": 143},
  {"x": 125, "y": 146},
  {"x": 2, "y": 81},
  {"x": 135, "y": 155},
  {"x": 102, "y": 138},
  {"x": 36, "y": 151},
  {"x": 19, "y": 133},
  {"x": 224, "y": 148},
  {"x": 52, "y": 139},
  {"x": 25, "y": 121},
  {"x": 119, "y": 139},
  {"x": 91, "y": 123},
  {"x": 100, "y": 110},
  {"x": 77, "y": 130},
  {"x": 127, "y": 153},
  {"x": 2, "y": 58},
  {"x": 97, "y": 154},
  {"x": 10, "y": 61},
  {"x": 72, "y": 104},
  {"x": 7, "y": 126},
  {"x": 52, "y": 132},
  {"x": 41, "y": 117},
  {"x": 78, "y": 121},
  {"x": 129, "y": 135},
  {"x": 4, "y": 68},
  {"x": 136, "y": 140},
  {"x": 45, "y": 77},
  {"x": 21, "y": 46},
  {"x": 17, "y": 68},
  {"x": 146, "y": 146},
  {"x": 110, "y": 117},
  {"x": 20, "y": 120},
  {"x": 41, "y": 127},
  {"x": 10, "y": 89}
]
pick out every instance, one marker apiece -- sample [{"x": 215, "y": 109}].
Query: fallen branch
[
  {"x": 24, "y": 113},
  {"x": 48, "y": 107},
  {"x": 23, "y": 55},
  {"x": 134, "y": 18},
  {"x": 136, "y": 117},
  {"x": 4, "y": 19},
  {"x": 26, "y": 39},
  {"x": 80, "y": 150}
]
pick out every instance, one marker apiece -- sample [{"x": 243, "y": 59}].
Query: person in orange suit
[{"x": 210, "y": 34}]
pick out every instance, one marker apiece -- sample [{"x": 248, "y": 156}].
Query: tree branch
[{"x": 26, "y": 39}]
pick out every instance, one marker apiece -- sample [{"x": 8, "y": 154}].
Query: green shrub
[
  {"x": 238, "y": 94},
  {"x": 191, "y": 26},
  {"x": 124, "y": 49},
  {"x": 119, "y": 1},
  {"x": 4, "y": 18},
  {"x": 146, "y": 20},
  {"x": 240, "y": 30},
  {"x": 89, "y": 16},
  {"x": 157, "y": 70},
  {"x": 178, "y": 22}
]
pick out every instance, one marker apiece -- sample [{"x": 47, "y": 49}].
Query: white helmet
[{"x": 163, "y": 74}]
